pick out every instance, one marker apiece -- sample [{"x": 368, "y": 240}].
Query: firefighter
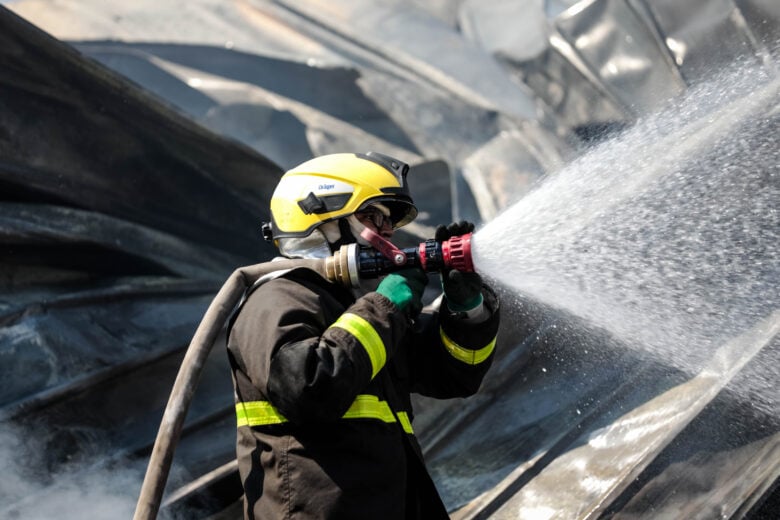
[{"x": 323, "y": 374}]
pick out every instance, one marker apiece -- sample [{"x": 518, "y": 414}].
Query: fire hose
[{"x": 347, "y": 266}]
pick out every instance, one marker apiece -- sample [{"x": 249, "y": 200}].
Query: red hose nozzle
[
  {"x": 453, "y": 253},
  {"x": 457, "y": 253}
]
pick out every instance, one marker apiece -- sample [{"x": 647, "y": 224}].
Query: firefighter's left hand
[
  {"x": 455, "y": 229},
  {"x": 462, "y": 290}
]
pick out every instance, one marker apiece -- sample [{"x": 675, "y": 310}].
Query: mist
[{"x": 75, "y": 490}]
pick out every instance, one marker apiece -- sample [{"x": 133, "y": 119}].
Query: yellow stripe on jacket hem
[
  {"x": 365, "y": 406},
  {"x": 466, "y": 355},
  {"x": 368, "y": 337}
]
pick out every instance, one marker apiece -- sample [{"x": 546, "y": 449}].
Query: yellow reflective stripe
[
  {"x": 258, "y": 413},
  {"x": 365, "y": 406},
  {"x": 406, "y": 424},
  {"x": 468, "y": 356},
  {"x": 370, "y": 407},
  {"x": 367, "y": 336}
]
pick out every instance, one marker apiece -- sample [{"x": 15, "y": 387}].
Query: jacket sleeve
[
  {"x": 452, "y": 354},
  {"x": 307, "y": 352}
]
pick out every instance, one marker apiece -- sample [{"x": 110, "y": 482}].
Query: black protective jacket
[{"x": 323, "y": 385}]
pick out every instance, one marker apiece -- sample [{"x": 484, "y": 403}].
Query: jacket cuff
[{"x": 471, "y": 338}]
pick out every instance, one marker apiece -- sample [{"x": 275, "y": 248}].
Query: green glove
[{"x": 405, "y": 289}]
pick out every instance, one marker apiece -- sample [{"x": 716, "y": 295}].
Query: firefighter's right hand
[{"x": 405, "y": 289}]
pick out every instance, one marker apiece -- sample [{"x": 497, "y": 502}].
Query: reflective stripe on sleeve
[
  {"x": 367, "y": 336},
  {"x": 257, "y": 413},
  {"x": 365, "y": 406},
  {"x": 468, "y": 356}
]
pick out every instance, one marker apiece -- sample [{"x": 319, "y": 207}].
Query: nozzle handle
[{"x": 387, "y": 248}]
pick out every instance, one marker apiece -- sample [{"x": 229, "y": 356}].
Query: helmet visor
[{"x": 402, "y": 211}]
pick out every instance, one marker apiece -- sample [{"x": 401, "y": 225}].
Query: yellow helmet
[{"x": 334, "y": 186}]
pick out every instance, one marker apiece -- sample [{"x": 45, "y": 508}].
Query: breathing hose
[{"x": 347, "y": 266}]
